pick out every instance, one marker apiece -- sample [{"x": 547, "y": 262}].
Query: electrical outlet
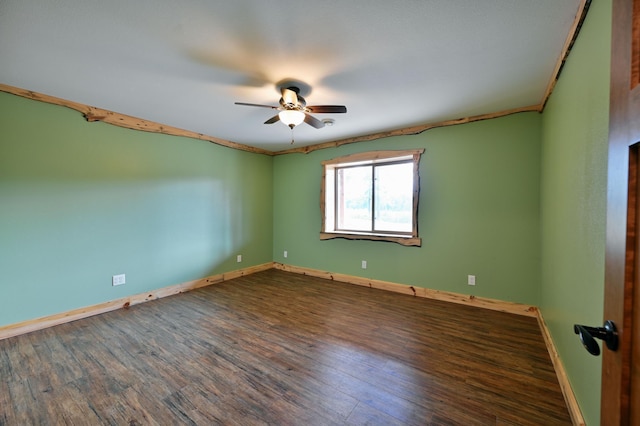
[
  {"x": 364, "y": 264},
  {"x": 471, "y": 279},
  {"x": 118, "y": 279},
  {"x": 286, "y": 254},
  {"x": 239, "y": 258}
]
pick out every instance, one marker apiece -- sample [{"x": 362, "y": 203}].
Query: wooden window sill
[{"x": 405, "y": 241}]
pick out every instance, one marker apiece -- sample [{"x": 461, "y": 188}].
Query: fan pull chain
[{"x": 292, "y": 141}]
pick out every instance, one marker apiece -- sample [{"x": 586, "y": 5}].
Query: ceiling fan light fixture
[{"x": 291, "y": 117}]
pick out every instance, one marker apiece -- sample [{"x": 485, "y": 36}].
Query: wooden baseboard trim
[
  {"x": 496, "y": 305},
  {"x": 565, "y": 385},
  {"x": 28, "y": 326},
  {"x": 481, "y": 302}
]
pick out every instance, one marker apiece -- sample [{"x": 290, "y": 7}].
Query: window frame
[{"x": 365, "y": 159}]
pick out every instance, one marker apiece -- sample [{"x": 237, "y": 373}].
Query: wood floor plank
[
  {"x": 364, "y": 414},
  {"x": 287, "y": 349}
]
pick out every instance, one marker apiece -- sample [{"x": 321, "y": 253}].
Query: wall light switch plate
[
  {"x": 239, "y": 258},
  {"x": 471, "y": 279},
  {"x": 364, "y": 264}
]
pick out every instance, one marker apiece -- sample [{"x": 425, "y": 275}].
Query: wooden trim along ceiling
[
  {"x": 92, "y": 114},
  {"x": 415, "y": 130},
  {"x": 571, "y": 39}
]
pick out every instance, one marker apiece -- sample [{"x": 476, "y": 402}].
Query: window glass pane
[
  {"x": 394, "y": 197},
  {"x": 353, "y": 198}
]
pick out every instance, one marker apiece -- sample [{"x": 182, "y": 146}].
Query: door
[{"x": 620, "y": 375}]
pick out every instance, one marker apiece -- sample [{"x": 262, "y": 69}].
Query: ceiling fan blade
[
  {"x": 313, "y": 122},
  {"x": 289, "y": 96},
  {"x": 257, "y": 105},
  {"x": 273, "y": 119},
  {"x": 327, "y": 109}
]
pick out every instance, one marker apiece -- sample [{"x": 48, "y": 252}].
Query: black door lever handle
[{"x": 608, "y": 334}]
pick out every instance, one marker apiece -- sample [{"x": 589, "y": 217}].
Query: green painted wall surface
[
  {"x": 574, "y": 159},
  {"x": 518, "y": 201},
  {"x": 80, "y": 202},
  {"x": 479, "y": 212}
]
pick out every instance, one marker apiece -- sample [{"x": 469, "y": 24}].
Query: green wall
[
  {"x": 80, "y": 202},
  {"x": 574, "y": 162},
  {"x": 479, "y": 212},
  {"x": 518, "y": 201}
]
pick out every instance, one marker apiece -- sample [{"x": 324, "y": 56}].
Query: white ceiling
[{"x": 394, "y": 64}]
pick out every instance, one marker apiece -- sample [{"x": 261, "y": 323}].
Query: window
[{"x": 372, "y": 195}]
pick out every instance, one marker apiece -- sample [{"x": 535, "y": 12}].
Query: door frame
[{"x": 621, "y": 273}]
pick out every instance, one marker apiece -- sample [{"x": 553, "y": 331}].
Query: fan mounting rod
[{"x": 300, "y": 87}]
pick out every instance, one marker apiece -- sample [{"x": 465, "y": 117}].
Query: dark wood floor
[{"x": 283, "y": 349}]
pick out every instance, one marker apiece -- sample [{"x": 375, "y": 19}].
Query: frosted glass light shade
[{"x": 291, "y": 117}]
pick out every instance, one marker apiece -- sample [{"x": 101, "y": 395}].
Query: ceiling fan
[{"x": 294, "y": 110}]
